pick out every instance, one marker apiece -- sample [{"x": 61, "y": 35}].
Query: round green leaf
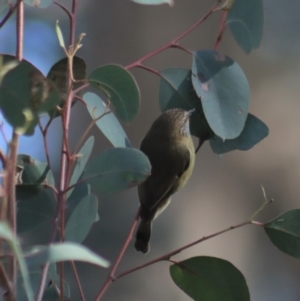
[
  {"x": 284, "y": 232},
  {"x": 58, "y": 74},
  {"x": 24, "y": 93},
  {"x": 154, "y": 2},
  {"x": 81, "y": 161},
  {"x": 66, "y": 251},
  {"x": 80, "y": 222},
  {"x": 116, "y": 169},
  {"x": 120, "y": 87},
  {"x": 108, "y": 124},
  {"x": 39, "y": 3},
  {"x": 245, "y": 20},
  {"x": 224, "y": 91},
  {"x": 35, "y": 211},
  {"x": 176, "y": 91},
  {"x": 254, "y": 131},
  {"x": 209, "y": 278},
  {"x": 30, "y": 176},
  {"x": 8, "y": 65}
]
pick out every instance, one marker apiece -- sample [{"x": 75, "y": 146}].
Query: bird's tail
[{"x": 143, "y": 235}]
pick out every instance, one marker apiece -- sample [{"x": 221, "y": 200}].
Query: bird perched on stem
[{"x": 170, "y": 149}]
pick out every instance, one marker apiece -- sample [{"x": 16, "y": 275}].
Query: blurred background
[{"x": 222, "y": 191}]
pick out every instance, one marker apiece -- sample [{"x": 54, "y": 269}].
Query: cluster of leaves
[{"x": 215, "y": 86}]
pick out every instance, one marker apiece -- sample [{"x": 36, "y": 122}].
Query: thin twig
[
  {"x": 44, "y": 134},
  {"x": 63, "y": 8},
  {"x": 111, "y": 276},
  {"x": 169, "y": 255},
  {"x": 11, "y": 199},
  {"x": 65, "y": 165},
  {"x": 20, "y": 31},
  {"x": 86, "y": 132},
  {"x": 222, "y": 27},
  {"x": 174, "y": 43},
  {"x": 77, "y": 280},
  {"x": 10, "y": 12},
  {"x": 262, "y": 207},
  {"x": 8, "y": 294}
]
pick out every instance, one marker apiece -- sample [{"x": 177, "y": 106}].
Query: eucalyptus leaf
[
  {"x": 254, "y": 131},
  {"x": 82, "y": 218},
  {"x": 116, "y": 169},
  {"x": 210, "y": 278},
  {"x": 108, "y": 124},
  {"x": 224, "y": 91},
  {"x": 176, "y": 91},
  {"x": 284, "y": 232},
  {"x": 81, "y": 160},
  {"x": 33, "y": 94},
  {"x": 119, "y": 86},
  {"x": 58, "y": 74},
  {"x": 30, "y": 176},
  {"x": 245, "y": 20},
  {"x": 34, "y": 211},
  {"x": 80, "y": 191},
  {"x": 66, "y": 251}
]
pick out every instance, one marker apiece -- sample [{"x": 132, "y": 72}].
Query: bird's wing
[{"x": 165, "y": 175}]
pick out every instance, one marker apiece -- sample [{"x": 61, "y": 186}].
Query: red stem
[
  {"x": 77, "y": 281},
  {"x": 111, "y": 276},
  {"x": 169, "y": 255},
  {"x": 9, "y": 13},
  {"x": 174, "y": 43},
  {"x": 222, "y": 27},
  {"x": 20, "y": 31}
]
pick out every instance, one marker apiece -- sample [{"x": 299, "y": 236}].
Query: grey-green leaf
[
  {"x": 32, "y": 95},
  {"x": 81, "y": 161},
  {"x": 284, "y": 232},
  {"x": 30, "y": 176},
  {"x": 116, "y": 169},
  {"x": 66, "y": 251},
  {"x": 245, "y": 20},
  {"x": 108, "y": 124},
  {"x": 35, "y": 211},
  {"x": 80, "y": 191},
  {"x": 208, "y": 278},
  {"x": 224, "y": 91},
  {"x": 176, "y": 91},
  {"x": 58, "y": 74},
  {"x": 82, "y": 218},
  {"x": 254, "y": 131},
  {"x": 119, "y": 87}
]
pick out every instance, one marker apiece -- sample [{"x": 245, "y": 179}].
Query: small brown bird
[{"x": 170, "y": 149}]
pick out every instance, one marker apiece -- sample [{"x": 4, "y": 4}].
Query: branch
[
  {"x": 8, "y": 294},
  {"x": 44, "y": 134},
  {"x": 169, "y": 255},
  {"x": 174, "y": 43},
  {"x": 222, "y": 27},
  {"x": 111, "y": 276},
  {"x": 82, "y": 138},
  {"x": 77, "y": 281},
  {"x": 10, "y": 12}
]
